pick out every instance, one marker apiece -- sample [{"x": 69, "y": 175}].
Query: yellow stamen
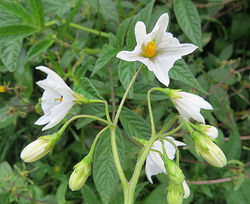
[
  {"x": 61, "y": 99},
  {"x": 2, "y": 89},
  {"x": 150, "y": 49}
]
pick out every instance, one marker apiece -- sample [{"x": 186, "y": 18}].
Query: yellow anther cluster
[
  {"x": 2, "y": 89},
  {"x": 150, "y": 49}
]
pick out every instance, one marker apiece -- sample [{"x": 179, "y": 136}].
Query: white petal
[
  {"x": 57, "y": 114},
  {"x": 140, "y": 32},
  {"x": 159, "y": 28},
  {"x": 195, "y": 100},
  {"x": 129, "y": 56},
  {"x": 52, "y": 76},
  {"x": 162, "y": 22},
  {"x": 151, "y": 169},
  {"x": 42, "y": 120},
  {"x": 177, "y": 143}
]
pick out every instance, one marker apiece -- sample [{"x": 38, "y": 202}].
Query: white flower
[
  {"x": 35, "y": 150},
  {"x": 158, "y": 50},
  {"x": 189, "y": 105},
  {"x": 57, "y": 99},
  {"x": 154, "y": 163}
]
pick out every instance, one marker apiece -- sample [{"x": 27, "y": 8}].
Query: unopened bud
[
  {"x": 210, "y": 151},
  {"x": 81, "y": 172},
  {"x": 36, "y": 150},
  {"x": 174, "y": 172},
  {"x": 210, "y": 131},
  {"x": 175, "y": 193},
  {"x": 186, "y": 189}
]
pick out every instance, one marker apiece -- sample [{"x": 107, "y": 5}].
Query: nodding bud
[
  {"x": 174, "y": 172},
  {"x": 210, "y": 131},
  {"x": 81, "y": 172},
  {"x": 36, "y": 150},
  {"x": 175, "y": 193},
  {"x": 210, "y": 151}
]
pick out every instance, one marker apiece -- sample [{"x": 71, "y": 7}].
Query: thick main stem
[{"x": 128, "y": 194}]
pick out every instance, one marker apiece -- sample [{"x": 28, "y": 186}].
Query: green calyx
[{"x": 80, "y": 99}]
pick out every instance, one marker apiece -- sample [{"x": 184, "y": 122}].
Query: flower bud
[
  {"x": 81, "y": 172},
  {"x": 174, "y": 172},
  {"x": 210, "y": 151},
  {"x": 36, "y": 150},
  {"x": 186, "y": 189},
  {"x": 210, "y": 131},
  {"x": 175, "y": 193}
]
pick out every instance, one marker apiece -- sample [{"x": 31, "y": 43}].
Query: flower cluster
[{"x": 159, "y": 50}]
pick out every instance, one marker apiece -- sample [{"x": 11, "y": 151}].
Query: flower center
[
  {"x": 150, "y": 49},
  {"x": 59, "y": 99},
  {"x": 2, "y": 89}
]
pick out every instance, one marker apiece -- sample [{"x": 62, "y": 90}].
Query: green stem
[
  {"x": 169, "y": 124},
  {"x": 74, "y": 25},
  {"x": 90, "y": 30},
  {"x": 172, "y": 131},
  {"x": 117, "y": 160},
  {"x": 125, "y": 96},
  {"x": 80, "y": 116},
  {"x": 134, "y": 179},
  {"x": 106, "y": 107},
  {"x": 151, "y": 113},
  {"x": 92, "y": 149}
]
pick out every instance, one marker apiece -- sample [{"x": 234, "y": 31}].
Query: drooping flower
[
  {"x": 188, "y": 105},
  {"x": 57, "y": 99},
  {"x": 154, "y": 163},
  {"x": 158, "y": 50}
]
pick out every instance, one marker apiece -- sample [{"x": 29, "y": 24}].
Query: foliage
[{"x": 79, "y": 40}]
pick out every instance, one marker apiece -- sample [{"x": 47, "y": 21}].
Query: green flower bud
[
  {"x": 39, "y": 148},
  {"x": 81, "y": 172},
  {"x": 174, "y": 172},
  {"x": 209, "y": 151},
  {"x": 175, "y": 193}
]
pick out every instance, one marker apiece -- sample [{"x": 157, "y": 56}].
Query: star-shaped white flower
[
  {"x": 56, "y": 100},
  {"x": 158, "y": 50},
  {"x": 154, "y": 163},
  {"x": 189, "y": 105}
]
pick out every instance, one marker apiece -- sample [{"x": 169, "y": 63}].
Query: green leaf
[
  {"x": 9, "y": 53},
  {"x": 126, "y": 72},
  {"x": 14, "y": 32},
  {"x": 5, "y": 196},
  {"x": 61, "y": 191},
  {"x": 39, "y": 48},
  {"x": 70, "y": 18},
  {"x": 134, "y": 125},
  {"x": 89, "y": 195},
  {"x": 104, "y": 170},
  {"x": 182, "y": 73},
  {"x": 189, "y": 20},
  {"x": 37, "y": 10},
  {"x": 87, "y": 89},
  {"x": 5, "y": 171},
  {"x": 144, "y": 15},
  {"x": 16, "y": 9},
  {"x": 5, "y": 117},
  {"x": 122, "y": 32},
  {"x": 106, "y": 55}
]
